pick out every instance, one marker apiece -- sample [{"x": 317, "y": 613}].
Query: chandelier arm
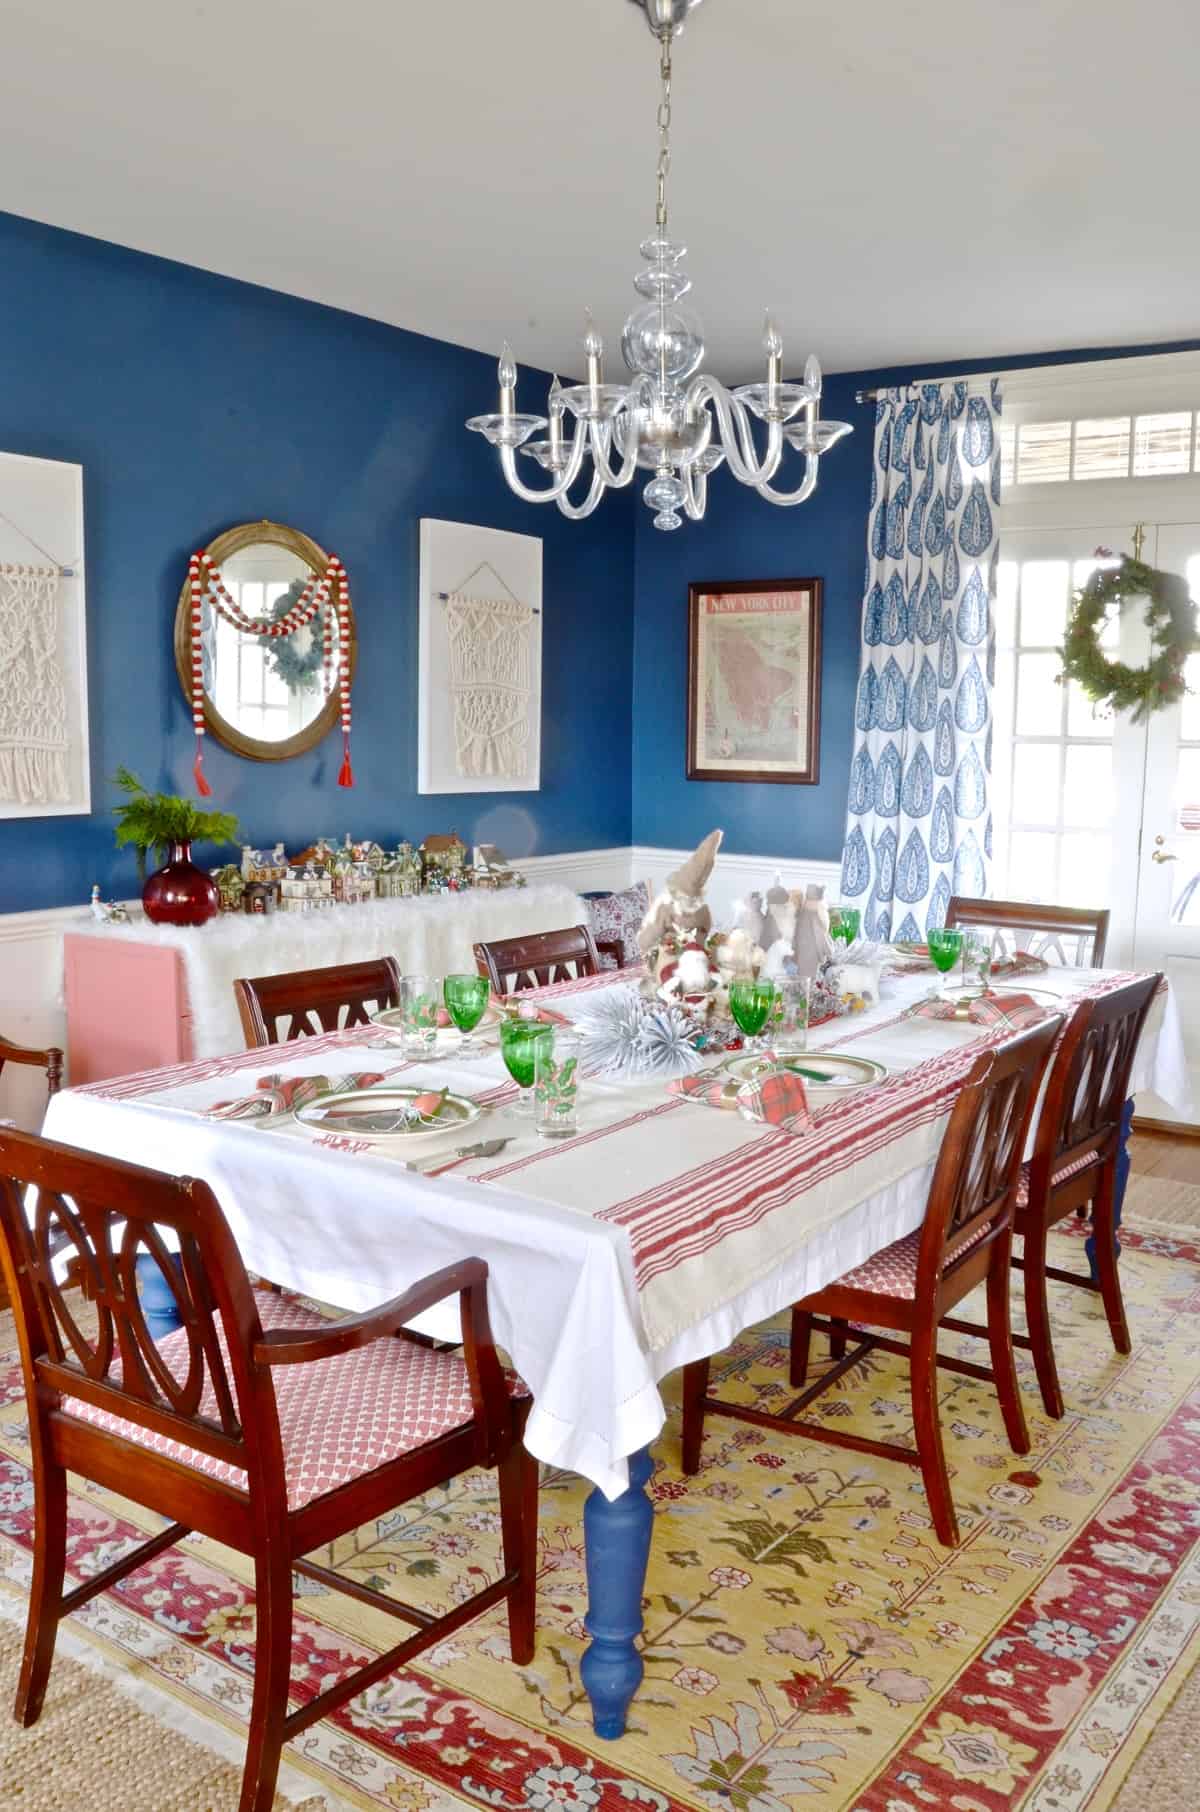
[
  {"x": 562, "y": 484},
  {"x": 803, "y": 491},
  {"x": 695, "y": 493},
  {"x": 575, "y": 512},
  {"x": 733, "y": 423},
  {"x": 601, "y": 439}
]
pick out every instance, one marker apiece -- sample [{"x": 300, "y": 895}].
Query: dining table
[{"x": 653, "y": 1235}]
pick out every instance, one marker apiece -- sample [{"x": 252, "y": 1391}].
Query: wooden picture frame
[{"x": 770, "y": 694}]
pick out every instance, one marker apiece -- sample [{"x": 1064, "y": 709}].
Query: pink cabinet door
[{"x": 127, "y": 1007}]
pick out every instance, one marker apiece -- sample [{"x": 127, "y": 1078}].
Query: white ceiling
[{"x": 903, "y": 181}]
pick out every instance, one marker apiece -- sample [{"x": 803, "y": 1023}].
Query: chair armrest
[{"x": 282, "y": 1346}]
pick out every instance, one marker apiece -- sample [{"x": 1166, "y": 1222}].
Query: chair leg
[
  {"x": 928, "y": 1430},
  {"x": 801, "y": 1341},
  {"x": 519, "y": 1523},
  {"x": 837, "y": 1341},
  {"x": 45, "y": 1593},
  {"x": 1000, "y": 1342},
  {"x": 1037, "y": 1314},
  {"x": 272, "y": 1674},
  {"x": 1104, "y": 1233},
  {"x": 695, "y": 1386}
]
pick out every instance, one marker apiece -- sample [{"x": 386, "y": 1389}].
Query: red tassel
[
  {"x": 202, "y": 786},
  {"x": 345, "y": 772}
]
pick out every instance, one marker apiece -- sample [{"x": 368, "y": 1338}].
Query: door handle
[{"x": 1161, "y": 855}]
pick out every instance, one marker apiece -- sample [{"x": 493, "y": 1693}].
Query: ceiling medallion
[{"x": 672, "y": 419}]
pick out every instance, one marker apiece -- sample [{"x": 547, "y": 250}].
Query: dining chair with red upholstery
[
  {"x": 257, "y": 1422},
  {"x": 1074, "y": 1167},
  {"x": 911, "y": 1286},
  {"x": 538, "y": 960},
  {"x": 1075, "y": 936},
  {"x": 312, "y": 1001}
]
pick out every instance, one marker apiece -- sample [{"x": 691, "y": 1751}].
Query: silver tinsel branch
[{"x": 628, "y": 1035}]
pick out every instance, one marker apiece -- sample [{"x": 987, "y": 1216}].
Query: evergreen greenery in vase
[{"x": 154, "y": 821}]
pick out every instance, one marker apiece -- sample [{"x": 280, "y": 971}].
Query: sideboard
[{"x": 141, "y": 995}]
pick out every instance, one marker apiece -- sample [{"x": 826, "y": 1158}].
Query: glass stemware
[
  {"x": 945, "y": 948},
  {"x": 519, "y": 1043},
  {"x": 752, "y": 1004},
  {"x": 466, "y": 998}
]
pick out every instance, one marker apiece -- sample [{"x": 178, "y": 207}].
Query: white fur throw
[{"x": 427, "y": 936}]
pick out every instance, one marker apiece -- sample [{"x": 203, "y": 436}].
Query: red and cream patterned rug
[{"x": 808, "y": 1643}]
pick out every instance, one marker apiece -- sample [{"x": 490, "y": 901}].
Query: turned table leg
[
  {"x": 617, "y": 1539},
  {"x": 1122, "y": 1179}
]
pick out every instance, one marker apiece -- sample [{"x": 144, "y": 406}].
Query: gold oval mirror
[{"x": 268, "y": 697}]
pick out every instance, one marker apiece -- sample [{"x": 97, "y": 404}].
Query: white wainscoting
[{"x": 31, "y": 1003}]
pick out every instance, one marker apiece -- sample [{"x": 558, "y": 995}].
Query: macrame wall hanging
[
  {"x": 33, "y": 699},
  {"x": 329, "y": 589},
  {"x": 490, "y": 684}
]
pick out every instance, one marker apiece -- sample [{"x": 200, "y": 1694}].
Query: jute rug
[{"x": 807, "y": 1640}]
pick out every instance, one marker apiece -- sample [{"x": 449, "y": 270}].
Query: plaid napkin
[
  {"x": 775, "y": 1098},
  {"x": 278, "y": 1094},
  {"x": 1021, "y": 962},
  {"x": 1016, "y": 1011}
]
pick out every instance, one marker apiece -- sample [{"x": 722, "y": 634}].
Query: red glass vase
[{"x": 179, "y": 893}]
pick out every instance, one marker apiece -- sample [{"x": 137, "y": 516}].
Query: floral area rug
[{"x": 808, "y": 1643}]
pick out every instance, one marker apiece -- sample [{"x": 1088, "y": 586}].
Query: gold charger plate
[
  {"x": 384, "y": 1114},
  {"x": 827, "y": 1075}
]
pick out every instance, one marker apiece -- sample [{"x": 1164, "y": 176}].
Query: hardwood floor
[{"x": 1168, "y": 1156}]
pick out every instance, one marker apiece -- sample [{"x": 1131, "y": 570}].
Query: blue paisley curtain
[{"x": 919, "y": 827}]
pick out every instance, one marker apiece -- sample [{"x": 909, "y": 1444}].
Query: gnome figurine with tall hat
[{"x": 679, "y": 920}]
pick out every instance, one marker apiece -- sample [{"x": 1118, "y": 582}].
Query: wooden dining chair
[
  {"x": 257, "y": 1422},
  {"x": 1074, "y": 1167},
  {"x": 513, "y": 964},
  {"x": 315, "y": 1000},
  {"x": 912, "y": 1285},
  {"x": 1072, "y": 935},
  {"x": 50, "y": 1060}
]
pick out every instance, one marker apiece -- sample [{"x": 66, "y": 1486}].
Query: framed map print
[{"x": 754, "y": 680}]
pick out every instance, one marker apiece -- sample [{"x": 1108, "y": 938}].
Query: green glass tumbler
[{"x": 845, "y": 922}]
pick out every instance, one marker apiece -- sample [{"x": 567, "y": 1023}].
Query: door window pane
[
  {"x": 1039, "y": 695},
  {"x": 1035, "y": 783},
  {"x": 1044, "y": 588},
  {"x": 1081, "y": 572},
  {"x": 1086, "y": 871},
  {"x": 1162, "y": 444},
  {"x": 1085, "y": 718},
  {"x": 1189, "y": 728},
  {"x": 1004, "y": 605},
  {"x": 1088, "y": 787},
  {"x": 1102, "y": 447},
  {"x": 1032, "y": 865}
]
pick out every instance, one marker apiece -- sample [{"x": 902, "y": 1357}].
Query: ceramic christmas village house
[{"x": 328, "y": 874}]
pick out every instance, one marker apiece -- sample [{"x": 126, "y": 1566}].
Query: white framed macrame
[
  {"x": 44, "y": 766},
  {"x": 480, "y": 698}
]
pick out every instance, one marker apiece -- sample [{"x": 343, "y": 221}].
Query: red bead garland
[{"x": 204, "y": 577}]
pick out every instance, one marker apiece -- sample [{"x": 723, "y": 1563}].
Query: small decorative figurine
[
  {"x": 230, "y": 886},
  {"x": 108, "y": 912}
]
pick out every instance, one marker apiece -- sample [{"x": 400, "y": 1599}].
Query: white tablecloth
[{"x": 653, "y": 1238}]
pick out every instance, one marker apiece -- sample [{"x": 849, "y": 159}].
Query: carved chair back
[
  {"x": 56, "y": 1200},
  {"x": 50, "y": 1060},
  {"x": 538, "y": 960},
  {"x": 973, "y": 1193},
  {"x": 1089, "y": 1083},
  {"x": 1074, "y": 936},
  {"x": 278, "y": 1008}
]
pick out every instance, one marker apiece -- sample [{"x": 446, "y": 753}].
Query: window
[{"x": 1161, "y": 445}]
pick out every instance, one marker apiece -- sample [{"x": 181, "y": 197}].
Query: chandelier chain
[{"x": 664, "y": 133}]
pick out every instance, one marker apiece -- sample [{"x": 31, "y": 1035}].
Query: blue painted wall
[
  {"x": 743, "y": 537},
  {"x": 194, "y": 403}
]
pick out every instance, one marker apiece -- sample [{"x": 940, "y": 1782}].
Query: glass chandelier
[{"x": 671, "y": 419}]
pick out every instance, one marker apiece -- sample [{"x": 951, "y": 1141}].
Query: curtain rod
[{"x": 963, "y": 377}]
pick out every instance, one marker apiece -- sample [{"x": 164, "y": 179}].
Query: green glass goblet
[
  {"x": 752, "y": 1004},
  {"x": 466, "y": 998},
  {"x": 945, "y": 948},
  {"x": 519, "y": 1042}
]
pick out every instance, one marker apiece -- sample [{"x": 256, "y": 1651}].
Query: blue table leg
[
  {"x": 159, "y": 1307},
  {"x": 1122, "y": 1179},
  {"x": 617, "y": 1538}
]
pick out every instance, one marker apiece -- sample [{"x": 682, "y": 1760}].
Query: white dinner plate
[
  {"x": 384, "y": 1114},
  {"x": 827, "y": 1075}
]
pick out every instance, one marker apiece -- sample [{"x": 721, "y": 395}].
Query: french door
[{"x": 1090, "y": 808}]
